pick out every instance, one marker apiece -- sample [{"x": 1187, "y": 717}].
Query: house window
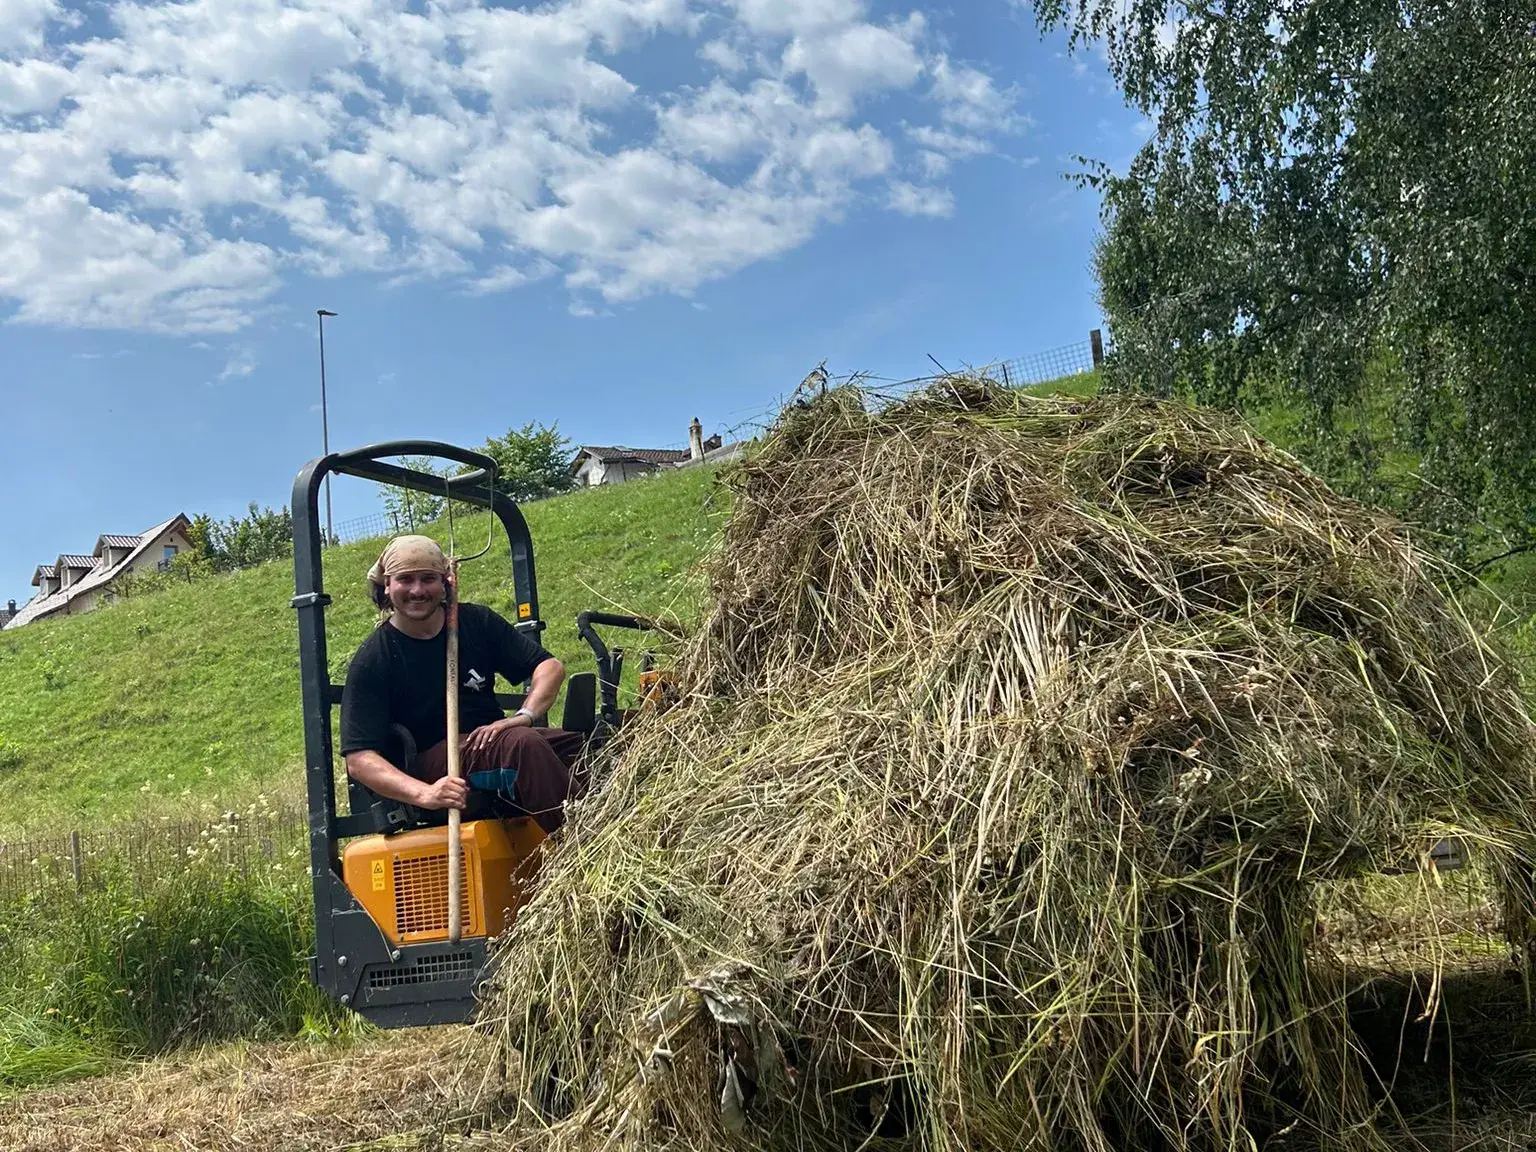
[{"x": 170, "y": 551}]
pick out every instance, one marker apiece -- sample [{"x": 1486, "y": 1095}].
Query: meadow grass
[
  {"x": 190, "y": 696},
  {"x": 136, "y": 963},
  {"x": 40, "y": 1049}
]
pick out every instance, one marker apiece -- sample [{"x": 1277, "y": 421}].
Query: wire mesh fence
[
  {"x": 150, "y": 849},
  {"x": 367, "y": 527},
  {"x": 1043, "y": 367},
  {"x": 383, "y": 524},
  {"x": 1051, "y": 364}
]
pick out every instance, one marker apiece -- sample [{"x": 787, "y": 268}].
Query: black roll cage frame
[{"x": 354, "y": 962}]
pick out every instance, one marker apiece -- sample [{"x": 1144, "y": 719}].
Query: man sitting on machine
[{"x": 398, "y": 677}]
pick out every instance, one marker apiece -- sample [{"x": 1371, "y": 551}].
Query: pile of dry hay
[{"x": 1014, "y": 740}]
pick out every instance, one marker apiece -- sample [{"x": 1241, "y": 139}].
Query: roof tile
[{"x": 644, "y": 455}]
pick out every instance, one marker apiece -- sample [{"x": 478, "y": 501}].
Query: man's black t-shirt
[{"x": 397, "y": 679}]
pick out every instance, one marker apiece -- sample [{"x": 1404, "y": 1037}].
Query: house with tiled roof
[
  {"x": 77, "y": 582},
  {"x": 71, "y": 569},
  {"x": 614, "y": 464},
  {"x": 114, "y": 548}
]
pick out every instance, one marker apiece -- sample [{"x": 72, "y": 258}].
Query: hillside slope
[{"x": 191, "y": 696}]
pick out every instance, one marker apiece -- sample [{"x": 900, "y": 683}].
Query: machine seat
[{"x": 374, "y": 813}]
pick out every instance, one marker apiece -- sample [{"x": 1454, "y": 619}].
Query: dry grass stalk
[
  {"x": 1014, "y": 742},
  {"x": 397, "y": 1091}
]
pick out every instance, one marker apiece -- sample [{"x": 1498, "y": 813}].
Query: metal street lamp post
[{"x": 325, "y": 429}]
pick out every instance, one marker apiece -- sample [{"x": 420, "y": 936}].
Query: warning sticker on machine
[{"x": 378, "y": 875}]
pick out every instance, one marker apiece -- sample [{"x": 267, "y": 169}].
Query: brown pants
[{"x": 544, "y": 758}]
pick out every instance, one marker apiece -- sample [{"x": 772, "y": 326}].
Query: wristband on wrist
[{"x": 524, "y": 712}]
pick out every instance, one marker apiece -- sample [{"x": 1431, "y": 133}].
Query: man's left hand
[{"x": 481, "y": 737}]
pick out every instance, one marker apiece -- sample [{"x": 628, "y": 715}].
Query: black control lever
[{"x": 610, "y": 665}]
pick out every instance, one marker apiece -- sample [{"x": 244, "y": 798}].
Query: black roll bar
[{"x": 310, "y": 600}]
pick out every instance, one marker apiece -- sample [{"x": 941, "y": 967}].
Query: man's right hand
[{"x": 445, "y": 793}]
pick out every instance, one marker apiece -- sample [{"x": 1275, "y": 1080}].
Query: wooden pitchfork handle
[{"x": 455, "y": 848}]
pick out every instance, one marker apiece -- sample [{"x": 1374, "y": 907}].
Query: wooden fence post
[
  {"x": 76, "y": 864},
  {"x": 1096, "y": 342}
]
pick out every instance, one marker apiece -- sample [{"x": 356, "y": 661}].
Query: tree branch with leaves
[{"x": 1336, "y": 215}]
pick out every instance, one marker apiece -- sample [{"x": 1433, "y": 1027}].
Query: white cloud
[
  {"x": 855, "y": 59},
  {"x": 510, "y": 276},
  {"x": 70, "y": 262},
  {"x": 232, "y": 44},
  {"x": 953, "y": 144},
  {"x": 934, "y": 164},
  {"x": 969, "y": 99},
  {"x": 521, "y": 58},
  {"x": 640, "y": 222},
  {"x": 1168, "y": 30},
  {"x": 911, "y": 200},
  {"x": 241, "y": 363},
  {"x": 169, "y": 169},
  {"x": 32, "y": 86},
  {"x": 723, "y": 55},
  {"x": 769, "y": 123},
  {"x": 22, "y": 22},
  {"x": 796, "y": 17},
  {"x": 941, "y": 148}
]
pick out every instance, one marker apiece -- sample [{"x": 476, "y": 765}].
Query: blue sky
[{"x": 611, "y": 214}]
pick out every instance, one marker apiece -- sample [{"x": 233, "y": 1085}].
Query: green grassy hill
[
  {"x": 187, "y": 701},
  {"x": 189, "y": 698}
]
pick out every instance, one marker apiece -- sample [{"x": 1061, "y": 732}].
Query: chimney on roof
[
  {"x": 696, "y": 439},
  {"x": 11, "y": 607}
]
